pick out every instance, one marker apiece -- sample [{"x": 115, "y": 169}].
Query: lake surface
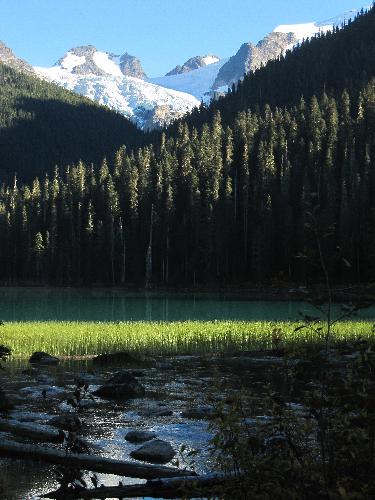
[{"x": 72, "y": 304}]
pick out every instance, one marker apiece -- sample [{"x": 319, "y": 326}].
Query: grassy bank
[{"x": 79, "y": 338}]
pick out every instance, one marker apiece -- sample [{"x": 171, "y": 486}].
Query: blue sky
[{"x": 162, "y": 33}]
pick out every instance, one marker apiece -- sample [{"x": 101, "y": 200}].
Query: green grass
[{"x": 191, "y": 337}]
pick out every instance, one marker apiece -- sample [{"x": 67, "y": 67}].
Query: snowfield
[
  {"x": 302, "y": 31},
  {"x": 308, "y": 30},
  {"x": 197, "y": 82}
]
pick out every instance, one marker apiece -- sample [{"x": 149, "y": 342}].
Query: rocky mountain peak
[
  {"x": 131, "y": 66},
  {"x": 251, "y": 57},
  {"x": 81, "y": 61},
  {"x": 194, "y": 63},
  {"x": 236, "y": 67},
  {"x": 84, "y": 50},
  {"x": 8, "y": 57},
  {"x": 88, "y": 60}
]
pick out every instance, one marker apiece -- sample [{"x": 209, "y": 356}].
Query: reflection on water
[{"x": 67, "y": 304}]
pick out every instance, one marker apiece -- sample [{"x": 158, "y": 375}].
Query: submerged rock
[
  {"x": 200, "y": 412},
  {"x": 43, "y": 358},
  {"x": 139, "y": 436},
  {"x": 121, "y": 385},
  {"x": 156, "y": 451}
]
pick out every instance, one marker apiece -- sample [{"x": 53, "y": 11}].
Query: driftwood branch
[
  {"x": 188, "y": 487},
  {"x": 32, "y": 431},
  {"x": 88, "y": 462}
]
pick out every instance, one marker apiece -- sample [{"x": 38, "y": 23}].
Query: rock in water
[
  {"x": 139, "y": 436},
  {"x": 43, "y": 358},
  {"x": 66, "y": 422},
  {"x": 157, "y": 452},
  {"x": 121, "y": 386}
]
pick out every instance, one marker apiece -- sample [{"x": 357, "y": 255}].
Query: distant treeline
[{"x": 224, "y": 205}]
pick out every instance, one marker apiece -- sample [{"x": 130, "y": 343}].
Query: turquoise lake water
[{"x": 71, "y": 304}]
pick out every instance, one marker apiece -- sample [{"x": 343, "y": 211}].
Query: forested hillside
[
  {"x": 42, "y": 125},
  {"x": 234, "y": 200}
]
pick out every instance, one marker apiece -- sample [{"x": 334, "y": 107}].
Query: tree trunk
[
  {"x": 149, "y": 251},
  {"x": 88, "y": 462},
  {"x": 187, "y": 487}
]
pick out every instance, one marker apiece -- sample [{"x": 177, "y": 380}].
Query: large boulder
[
  {"x": 43, "y": 358},
  {"x": 139, "y": 436},
  {"x": 121, "y": 386},
  {"x": 156, "y": 451}
]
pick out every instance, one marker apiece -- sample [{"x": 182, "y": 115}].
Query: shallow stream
[{"x": 174, "y": 384}]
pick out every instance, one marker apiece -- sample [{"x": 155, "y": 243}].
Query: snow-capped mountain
[
  {"x": 117, "y": 82},
  {"x": 284, "y": 37},
  {"x": 87, "y": 60}
]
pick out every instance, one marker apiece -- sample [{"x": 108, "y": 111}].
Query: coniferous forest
[{"x": 242, "y": 191}]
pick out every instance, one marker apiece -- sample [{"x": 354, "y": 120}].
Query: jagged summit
[
  {"x": 250, "y": 57},
  {"x": 194, "y": 63},
  {"x": 82, "y": 61},
  {"x": 8, "y": 57},
  {"x": 88, "y": 60},
  {"x": 131, "y": 66}
]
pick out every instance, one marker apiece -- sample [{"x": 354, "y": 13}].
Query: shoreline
[{"x": 251, "y": 292}]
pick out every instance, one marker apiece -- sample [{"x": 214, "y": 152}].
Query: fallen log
[
  {"x": 32, "y": 431},
  {"x": 188, "y": 487},
  {"x": 88, "y": 462}
]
